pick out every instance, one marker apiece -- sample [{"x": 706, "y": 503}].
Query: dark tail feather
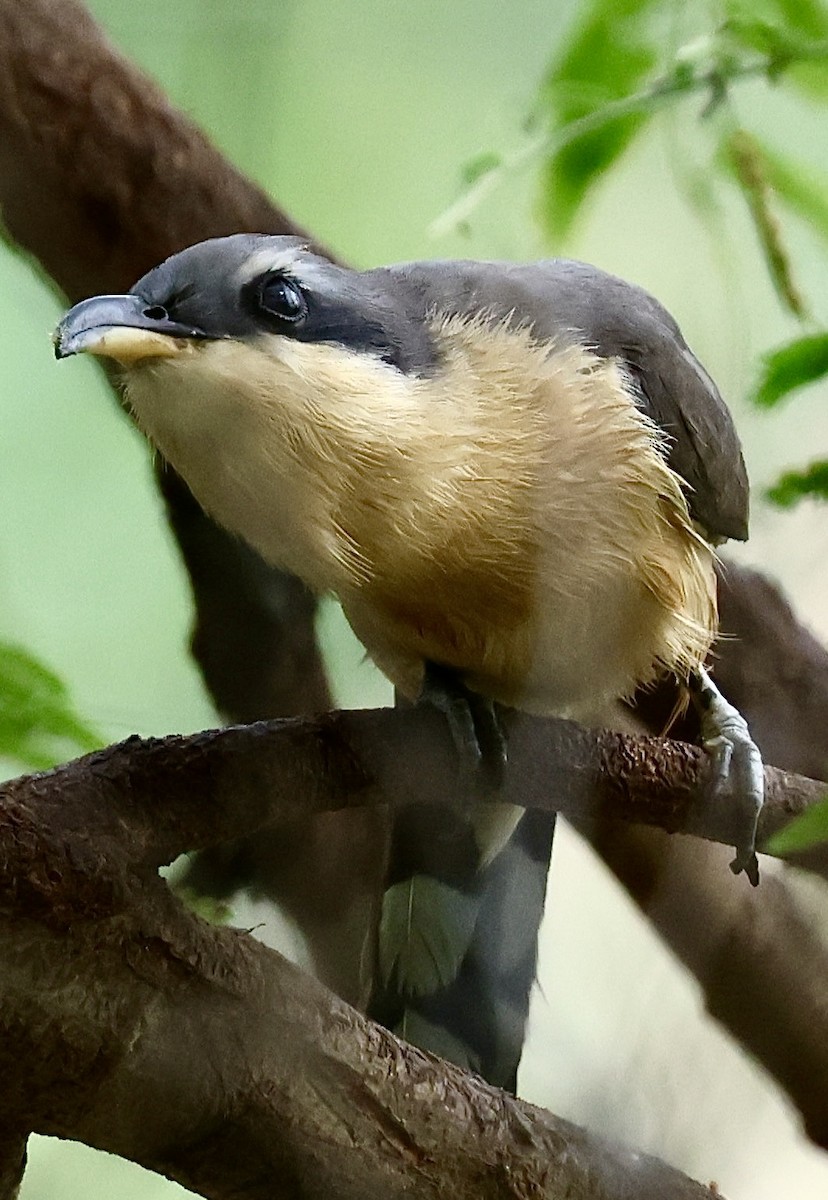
[{"x": 478, "y": 1018}]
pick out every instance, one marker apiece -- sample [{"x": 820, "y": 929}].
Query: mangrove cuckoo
[{"x": 511, "y": 476}]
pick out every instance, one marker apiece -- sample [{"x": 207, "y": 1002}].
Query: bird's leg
[
  {"x": 473, "y": 720},
  {"x": 737, "y": 764}
]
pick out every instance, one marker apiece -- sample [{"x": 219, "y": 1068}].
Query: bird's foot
[
  {"x": 737, "y": 766},
  {"x": 474, "y": 724}
]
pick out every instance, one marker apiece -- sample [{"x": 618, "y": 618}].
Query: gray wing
[{"x": 618, "y": 320}]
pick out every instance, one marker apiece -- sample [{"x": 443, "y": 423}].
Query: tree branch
[
  {"x": 129, "y": 1024},
  {"x": 190, "y": 791},
  {"x": 12, "y": 1159},
  {"x": 102, "y": 177},
  {"x": 194, "y": 791},
  {"x": 759, "y": 957}
]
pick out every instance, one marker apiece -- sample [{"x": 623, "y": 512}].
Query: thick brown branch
[
  {"x": 12, "y": 1158},
  {"x": 131, "y": 1025},
  {"x": 759, "y": 957},
  {"x": 136, "y": 1028},
  {"x": 189, "y": 791},
  {"x": 198, "y": 790},
  {"x": 101, "y": 176}
]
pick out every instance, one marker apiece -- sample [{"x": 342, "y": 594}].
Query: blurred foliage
[
  {"x": 609, "y": 78},
  {"x": 792, "y": 366},
  {"x": 781, "y": 41},
  {"x": 611, "y": 51},
  {"x": 797, "y": 187},
  {"x": 38, "y": 726},
  {"x": 612, "y": 75},
  {"x": 795, "y": 365},
  {"x": 479, "y": 166},
  {"x": 793, "y": 485},
  {"x": 743, "y": 154},
  {"x": 805, "y": 831}
]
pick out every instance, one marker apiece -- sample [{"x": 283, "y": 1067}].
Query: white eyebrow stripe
[{"x": 268, "y": 260}]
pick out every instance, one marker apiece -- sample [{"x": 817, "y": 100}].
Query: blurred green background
[{"x": 358, "y": 117}]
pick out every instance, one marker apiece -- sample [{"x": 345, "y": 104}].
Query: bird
[{"x": 513, "y": 477}]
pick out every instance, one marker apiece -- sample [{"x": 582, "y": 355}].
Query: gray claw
[
  {"x": 475, "y": 727},
  {"x": 737, "y": 767}
]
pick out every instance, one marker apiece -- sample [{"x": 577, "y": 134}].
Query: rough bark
[
  {"x": 101, "y": 176},
  {"x": 199, "y": 1053},
  {"x": 12, "y": 1159},
  {"x": 776, "y": 671},
  {"x": 149, "y": 800},
  {"x": 189, "y": 791},
  {"x": 131, "y": 1025}
]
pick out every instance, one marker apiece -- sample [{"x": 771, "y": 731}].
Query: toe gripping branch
[
  {"x": 475, "y": 727},
  {"x": 737, "y": 766}
]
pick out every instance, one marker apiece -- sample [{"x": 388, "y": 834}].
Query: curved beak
[{"x": 125, "y": 328}]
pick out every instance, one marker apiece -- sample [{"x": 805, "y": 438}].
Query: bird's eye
[{"x": 280, "y": 297}]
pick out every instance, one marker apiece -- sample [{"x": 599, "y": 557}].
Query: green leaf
[
  {"x": 795, "y": 485},
  {"x": 777, "y": 26},
  {"x": 799, "y": 186},
  {"x": 808, "y": 17},
  {"x": 795, "y": 32},
  {"x": 482, "y": 164},
  {"x": 38, "y": 726},
  {"x": 805, "y": 831},
  {"x": 793, "y": 366},
  {"x": 611, "y": 50}
]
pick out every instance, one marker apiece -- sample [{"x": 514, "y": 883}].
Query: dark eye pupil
[{"x": 281, "y": 298}]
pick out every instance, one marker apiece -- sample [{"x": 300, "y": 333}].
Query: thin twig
[{"x": 678, "y": 82}]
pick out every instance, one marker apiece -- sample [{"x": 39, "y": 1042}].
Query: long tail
[{"x": 458, "y": 934}]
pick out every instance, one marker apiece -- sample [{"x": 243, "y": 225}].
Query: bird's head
[
  {"x": 252, "y": 289},
  {"x": 256, "y": 366}
]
